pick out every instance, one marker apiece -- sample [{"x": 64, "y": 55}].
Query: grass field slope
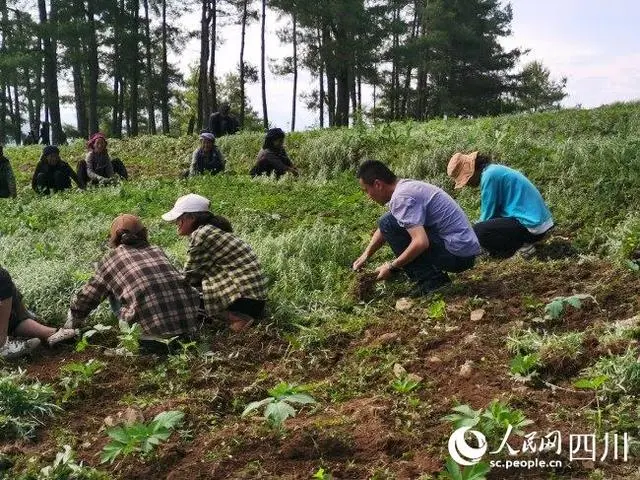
[{"x": 372, "y": 381}]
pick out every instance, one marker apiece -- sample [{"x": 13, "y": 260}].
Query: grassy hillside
[{"x": 330, "y": 332}]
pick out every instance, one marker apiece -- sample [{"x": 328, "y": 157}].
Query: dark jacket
[
  {"x": 271, "y": 161},
  {"x": 221, "y": 125},
  {"x": 213, "y": 162},
  {"x": 7, "y": 179},
  {"x": 53, "y": 177}
]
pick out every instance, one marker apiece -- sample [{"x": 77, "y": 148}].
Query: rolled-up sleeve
[{"x": 407, "y": 211}]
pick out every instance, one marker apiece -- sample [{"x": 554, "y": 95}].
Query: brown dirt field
[{"x": 361, "y": 428}]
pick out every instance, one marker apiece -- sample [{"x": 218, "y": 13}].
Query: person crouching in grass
[
  {"x": 17, "y": 321},
  {"x": 52, "y": 174},
  {"x": 426, "y": 229},
  {"x": 142, "y": 286},
  {"x": 513, "y": 214},
  {"x": 222, "y": 266}
]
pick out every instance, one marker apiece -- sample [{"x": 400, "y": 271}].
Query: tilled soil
[{"x": 361, "y": 427}]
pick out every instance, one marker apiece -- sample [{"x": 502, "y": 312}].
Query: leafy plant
[
  {"x": 595, "y": 384},
  {"x": 525, "y": 365},
  {"x": 493, "y": 421},
  {"x": 321, "y": 475},
  {"x": 553, "y": 351},
  {"x": 129, "y": 337},
  {"x": 77, "y": 374},
  {"x": 621, "y": 374},
  {"x": 140, "y": 438},
  {"x": 437, "y": 309},
  {"x": 278, "y": 405},
  {"x": 405, "y": 385},
  {"x": 65, "y": 467},
  {"x": 475, "y": 472},
  {"x": 23, "y": 404},
  {"x": 84, "y": 341},
  {"x": 555, "y": 308}
]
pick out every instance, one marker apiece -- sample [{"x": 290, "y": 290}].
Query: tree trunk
[
  {"x": 354, "y": 94},
  {"x": 38, "y": 88},
  {"x": 50, "y": 71},
  {"x": 242, "y": 42},
  {"x": 78, "y": 90},
  {"x": 164, "y": 74},
  {"x": 265, "y": 115},
  {"x": 17, "y": 121},
  {"x": 295, "y": 73},
  {"x": 407, "y": 79},
  {"x": 31, "y": 111},
  {"x": 331, "y": 80},
  {"x": 92, "y": 44},
  {"x": 135, "y": 73},
  {"x": 321, "y": 77},
  {"x": 151, "y": 111},
  {"x": 212, "y": 59},
  {"x": 203, "y": 88},
  {"x": 3, "y": 76}
]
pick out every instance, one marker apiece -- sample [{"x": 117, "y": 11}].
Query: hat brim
[{"x": 172, "y": 215}]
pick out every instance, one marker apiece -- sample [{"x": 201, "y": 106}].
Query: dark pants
[
  {"x": 430, "y": 266},
  {"x": 118, "y": 167},
  {"x": 19, "y": 313},
  {"x": 502, "y": 237},
  {"x": 56, "y": 182}
]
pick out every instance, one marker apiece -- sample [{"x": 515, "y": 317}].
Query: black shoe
[{"x": 429, "y": 287}]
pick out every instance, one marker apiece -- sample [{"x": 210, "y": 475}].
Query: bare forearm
[
  {"x": 377, "y": 241},
  {"x": 413, "y": 251}
]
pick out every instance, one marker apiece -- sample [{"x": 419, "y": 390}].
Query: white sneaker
[
  {"x": 526, "y": 251},
  {"x": 18, "y": 348},
  {"x": 62, "y": 335}
]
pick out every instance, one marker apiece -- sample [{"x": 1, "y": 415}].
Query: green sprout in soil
[
  {"x": 140, "y": 438},
  {"x": 278, "y": 404}
]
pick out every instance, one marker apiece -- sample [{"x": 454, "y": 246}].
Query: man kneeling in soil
[{"x": 426, "y": 229}]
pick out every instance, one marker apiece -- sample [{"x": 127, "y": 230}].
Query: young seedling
[
  {"x": 84, "y": 341},
  {"x": 524, "y": 366},
  {"x": 322, "y": 475},
  {"x": 23, "y": 404},
  {"x": 77, "y": 374},
  {"x": 595, "y": 384},
  {"x": 475, "y": 472},
  {"x": 278, "y": 404},
  {"x": 129, "y": 338},
  {"x": 554, "y": 309},
  {"x": 65, "y": 467},
  {"x": 140, "y": 438}
]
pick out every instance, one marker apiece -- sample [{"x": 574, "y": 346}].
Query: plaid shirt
[
  {"x": 224, "y": 267},
  {"x": 151, "y": 290}
]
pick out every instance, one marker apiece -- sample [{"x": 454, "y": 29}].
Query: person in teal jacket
[{"x": 513, "y": 214}]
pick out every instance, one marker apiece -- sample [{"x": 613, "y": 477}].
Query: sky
[{"x": 595, "y": 44}]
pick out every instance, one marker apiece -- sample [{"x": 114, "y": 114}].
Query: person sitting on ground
[
  {"x": 98, "y": 168},
  {"x": 142, "y": 286},
  {"x": 53, "y": 174},
  {"x": 513, "y": 213},
  {"x": 223, "y": 267},
  {"x": 426, "y": 229},
  {"x": 17, "y": 321},
  {"x": 222, "y": 123},
  {"x": 7, "y": 178},
  {"x": 273, "y": 158},
  {"x": 208, "y": 158}
]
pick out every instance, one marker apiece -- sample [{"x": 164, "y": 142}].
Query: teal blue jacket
[{"x": 507, "y": 193}]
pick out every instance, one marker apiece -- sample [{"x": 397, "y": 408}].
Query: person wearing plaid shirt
[
  {"x": 220, "y": 264},
  {"x": 142, "y": 283}
]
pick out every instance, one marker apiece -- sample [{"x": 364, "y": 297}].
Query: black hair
[
  {"x": 208, "y": 218},
  {"x": 272, "y": 135},
  {"x": 371, "y": 170},
  {"x": 136, "y": 240},
  {"x": 482, "y": 162}
]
